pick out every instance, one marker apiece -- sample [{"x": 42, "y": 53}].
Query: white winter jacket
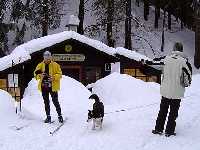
[{"x": 170, "y": 85}]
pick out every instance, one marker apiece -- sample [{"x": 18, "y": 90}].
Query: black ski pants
[
  {"x": 174, "y": 105},
  {"x": 54, "y": 96}
]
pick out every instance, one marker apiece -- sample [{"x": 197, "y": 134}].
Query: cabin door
[{"x": 73, "y": 71}]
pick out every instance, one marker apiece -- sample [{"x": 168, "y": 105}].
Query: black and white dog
[{"x": 96, "y": 115}]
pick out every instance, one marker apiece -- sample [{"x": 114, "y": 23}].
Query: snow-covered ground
[{"x": 122, "y": 130}]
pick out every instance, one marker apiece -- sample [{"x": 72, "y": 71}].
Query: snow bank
[
  {"x": 7, "y": 108},
  {"x": 122, "y": 89},
  {"x": 194, "y": 89},
  {"x": 73, "y": 95}
]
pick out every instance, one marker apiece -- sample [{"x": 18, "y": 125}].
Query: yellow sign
[
  {"x": 68, "y": 57},
  {"x": 68, "y": 48}
]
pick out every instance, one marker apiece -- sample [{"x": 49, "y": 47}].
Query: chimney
[{"x": 73, "y": 23}]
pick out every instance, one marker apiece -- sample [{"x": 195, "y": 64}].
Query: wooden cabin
[
  {"x": 80, "y": 57},
  {"x": 139, "y": 70},
  {"x": 131, "y": 64}
]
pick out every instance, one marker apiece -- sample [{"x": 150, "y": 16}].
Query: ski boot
[
  {"x": 48, "y": 119},
  {"x": 170, "y": 134},
  {"x": 157, "y": 132},
  {"x": 60, "y": 119}
]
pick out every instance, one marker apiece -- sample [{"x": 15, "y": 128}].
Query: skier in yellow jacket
[{"x": 49, "y": 74}]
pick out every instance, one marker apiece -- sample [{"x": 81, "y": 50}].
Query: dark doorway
[
  {"x": 73, "y": 72},
  {"x": 92, "y": 74}
]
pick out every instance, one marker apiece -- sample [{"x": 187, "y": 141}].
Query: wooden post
[{"x": 13, "y": 78}]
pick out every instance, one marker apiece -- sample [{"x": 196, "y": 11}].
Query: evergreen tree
[
  {"x": 19, "y": 39},
  {"x": 4, "y": 27},
  {"x": 41, "y": 14},
  {"x": 109, "y": 15},
  {"x": 19, "y": 12},
  {"x": 46, "y": 14}
]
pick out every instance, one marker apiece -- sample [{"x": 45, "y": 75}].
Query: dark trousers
[
  {"x": 54, "y": 96},
  {"x": 174, "y": 105}
]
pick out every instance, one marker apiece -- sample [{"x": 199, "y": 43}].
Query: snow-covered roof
[
  {"x": 23, "y": 52},
  {"x": 131, "y": 54}
]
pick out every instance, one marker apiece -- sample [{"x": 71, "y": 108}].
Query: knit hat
[
  {"x": 46, "y": 55},
  {"x": 178, "y": 47}
]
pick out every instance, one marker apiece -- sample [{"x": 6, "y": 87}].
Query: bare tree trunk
[
  {"x": 138, "y": 3},
  {"x": 27, "y": 3},
  {"x": 110, "y": 23},
  {"x": 157, "y": 13},
  {"x": 2, "y": 34},
  {"x": 163, "y": 33},
  {"x": 146, "y": 9},
  {"x": 169, "y": 19},
  {"x": 81, "y": 17},
  {"x": 1, "y": 52},
  {"x": 156, "y": 19},
  {"x": 128, "y": 42},
  {"x": 182, "y": 13},
  {"x": 45, "y": 19},
  {"x": 197, "y": 44}
]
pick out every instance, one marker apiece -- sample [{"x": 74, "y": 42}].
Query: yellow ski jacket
[{"x": 54, "y": 71}]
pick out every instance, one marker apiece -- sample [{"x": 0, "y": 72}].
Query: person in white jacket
[{"x": 171, "y": 89}]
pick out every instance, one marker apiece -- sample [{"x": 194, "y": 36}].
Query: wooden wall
[{"x": 138, "y": 70}]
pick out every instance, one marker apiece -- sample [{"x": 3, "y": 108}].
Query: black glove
[
  {"x": 159, "y": 59},
  {"x": 156, "y": 59},
  {"x": 149, "y": 62}
]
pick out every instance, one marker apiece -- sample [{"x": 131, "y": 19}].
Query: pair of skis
[
  {"x": 54, "y": 131},
  {"x": 57, "y": 128}
]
